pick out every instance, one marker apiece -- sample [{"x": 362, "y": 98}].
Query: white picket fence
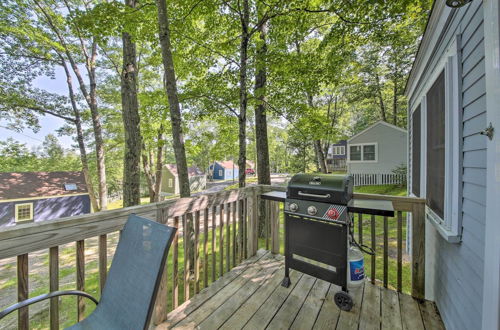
[{"x": 377, "y": 179}]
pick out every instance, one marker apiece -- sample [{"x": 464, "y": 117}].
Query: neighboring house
[
  {"x": 337, "y": 156},
  {"x": 375, "y": 152},
  {"x": 225, "y": 170},
  {"x": 170, "y": 179},
  {"x": 453, "y": 97},
  {"x": 40, "y": 196}
]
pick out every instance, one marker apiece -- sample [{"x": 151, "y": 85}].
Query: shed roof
[
  {"x": 192, "y": 170},
  {"x": 16, "y": 185}
]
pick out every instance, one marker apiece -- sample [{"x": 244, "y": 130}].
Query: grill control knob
[
  {"x": 294, "y": 207},
  {"x": 311, "y": 210}
]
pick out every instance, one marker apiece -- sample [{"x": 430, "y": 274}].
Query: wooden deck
[{"x": 250, "y": 297}]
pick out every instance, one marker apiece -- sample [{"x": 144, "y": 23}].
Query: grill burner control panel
[{"x": 317, "y": 211}]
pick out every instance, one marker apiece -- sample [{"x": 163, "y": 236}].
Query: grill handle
[{"x": 314, "y": 195}]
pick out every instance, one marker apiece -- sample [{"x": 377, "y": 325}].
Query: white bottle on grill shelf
[{"x": 356, "y": 267}]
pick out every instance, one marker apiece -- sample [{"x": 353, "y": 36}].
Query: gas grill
[{"x": 318, "y": 227}]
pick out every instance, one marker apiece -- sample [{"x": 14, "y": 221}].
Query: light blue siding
[{"x": 457, "y": 280}]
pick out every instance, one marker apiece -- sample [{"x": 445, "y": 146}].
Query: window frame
[
  {"x": 362, "y": 145},
  {"x": 450, "y": 226},
  {"x": 170, "y": 182},
  {"x": 16, "y": 212},
  {"x": 338, "y": 150},
  {"x": 221, "y": 173}
]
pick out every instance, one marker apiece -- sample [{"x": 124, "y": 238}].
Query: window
[
  {"x": 220, "y": 173},
  {"x": 355, "y": 153},
  {"x": 441, "y": 143},
  {"x": 338, "y": 150},
  {"x": 436, "y": 146},
  {"x": 369, "y": 152},
  {"x": 24, "y": 212},
  {"x": 415, "y": 152},
  {"x": 170, "y": 183},
  {"x": 365, "y": 152}
]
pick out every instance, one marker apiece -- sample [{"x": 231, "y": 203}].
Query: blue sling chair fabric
[{"x": 129, "y": 294}]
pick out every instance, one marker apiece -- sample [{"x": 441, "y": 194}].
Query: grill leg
[{"x": 286, "y": 281}]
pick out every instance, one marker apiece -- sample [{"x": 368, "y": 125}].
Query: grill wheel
[{"x": 343, "y": 301}]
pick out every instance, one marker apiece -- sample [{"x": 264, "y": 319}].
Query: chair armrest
[{"x": 39, "y": 298}]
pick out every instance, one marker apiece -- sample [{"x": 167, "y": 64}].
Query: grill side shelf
[{"x": 373, "y": 207}]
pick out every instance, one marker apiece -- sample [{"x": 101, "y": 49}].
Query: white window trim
[
  {"x": 362, "y": 152},
  {"x": 170, "y": 183},
  {"x": 17, "y": 206},
  {"x": 221, "y": 173},
  {"x": 450, "y": 227},
  {"x": 339, "y": 150}
]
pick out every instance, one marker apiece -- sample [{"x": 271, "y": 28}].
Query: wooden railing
[{"x": 217, "y": 231}]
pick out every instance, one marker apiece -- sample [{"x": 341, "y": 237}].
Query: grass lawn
[{"x": 236, "y": 185}]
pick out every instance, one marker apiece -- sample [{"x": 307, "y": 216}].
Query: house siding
[
  {"x": 392, "y": 150},
  {"x": 454, "y": 276},
  {"x": 47, "y": 209}
]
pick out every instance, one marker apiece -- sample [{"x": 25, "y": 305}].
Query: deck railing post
[
  {"x": 275, "y": 227},
  {"x": 160, "y": 309},
  {"x": 252, "y": 233},
  {"x": 418, "y": 251}
]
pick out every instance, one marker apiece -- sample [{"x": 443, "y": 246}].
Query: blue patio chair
[{"x": 129, "y": 294}]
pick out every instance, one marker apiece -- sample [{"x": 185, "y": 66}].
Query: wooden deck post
[
  {"x": 253, "y": 218},
  {"x": 22, "y": 291},
  {"x": 160, "y": 309},
  {"x": 418, "y": 251},
  {"x": 275, "y": 227}
]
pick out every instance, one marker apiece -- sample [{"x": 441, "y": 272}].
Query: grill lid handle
[{"x": 314, "y": 195}]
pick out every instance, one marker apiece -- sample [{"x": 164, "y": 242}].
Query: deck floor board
[{"x": 251, "y": 297}]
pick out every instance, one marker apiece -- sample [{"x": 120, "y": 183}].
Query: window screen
[
  {"x": 435, "y": 146},
  {"x": 369, "y": 152},
  {"x": 415, "y": 152},
  {"x": 355, "y": 152}
]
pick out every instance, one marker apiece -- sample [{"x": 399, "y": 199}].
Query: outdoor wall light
[{"x": 457, "y": 3}]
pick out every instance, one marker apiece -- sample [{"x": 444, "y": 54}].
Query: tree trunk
[
  {"x": 320, "y": 156},
  {"x": 380, "y": 98},
  {"x": 395, "y": 104},
  {"x": 261, "y": 140},
  {"x": 159, "y": 165},
  {"x": 242, "y": 118},
  {"x": 173, "y": 100},
  {"x": 131, "y": 121},
  {"x": 79, "y": 137},
  {"x": 147, "y": 173}
]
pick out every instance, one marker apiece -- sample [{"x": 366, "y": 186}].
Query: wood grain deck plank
[
  {"x": 250, "y": 307},
  {"x": 329, "y": 313},
  {"x": 370, "y": 308},
  {"x": 391, "y": 313},
  {"x": 190, "y": 306},
  {"x": 269, "y": 308},
  {"x": 312, "y": 305},
  {"x": 410, "y": 313},
  {"x": 350, "y": 320},
  {"x": 198, "y": 316},
  {"x": 430, "y": 316},
  {"x": 231, "y": 305},
  {"x": 290, "y": 308}
]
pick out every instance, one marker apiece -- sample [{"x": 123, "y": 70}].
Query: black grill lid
[{"x": 326, "y": 188}]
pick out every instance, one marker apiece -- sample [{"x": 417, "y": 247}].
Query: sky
[{"x": 49, "y": 124}]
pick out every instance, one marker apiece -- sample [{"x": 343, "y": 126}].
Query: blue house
[
  {"x": 453, "y": 97},
  {"x": 225, "y": 170},
  {"x": 41, "y": 196},
  {"x": 337, "y": 156}
]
